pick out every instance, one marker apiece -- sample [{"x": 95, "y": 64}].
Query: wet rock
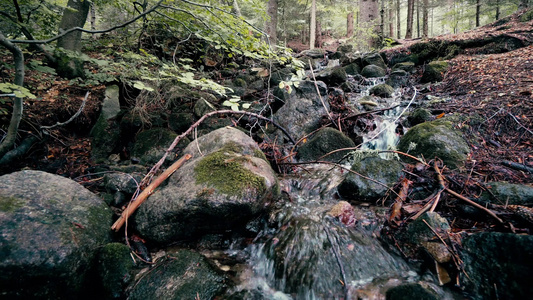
[
  {"x": 181, "y": 275},
  {"x": 382, "y": 90},
  {"x": 352, "y": 69},
  {"x": 398, "y": 78},
  {"x": 355, "y": 187},
  {"x": 323, "y": 142},
  {"x": 418, "y": 116},
  {"x": 508, "y": 193},
  {"x": 374, "y": 59},
  {"x": 115, "y": 268},
  {"x": 418, "y": 235},
  {"x": 498, "y": 265},
  {"x": 219, "y": 189},
  {"x": 278, "y": 76},
  {"x": 202, "y": 107},
  {"x": 106, "y": 132},
  {"x": 50, "y": 230},
  {"x": 303, "y": 110},
  {"x": 372, "y": 71},
  {"x": 150, "y": 145},
  {"x": 180, "y": 122},
  {"x": 434, "y": 71},
  {"x": 122, "y": 182},
  {"x": 332, "y": 76},
  {"x": 436, "y": 139},
  {"x": 406, "y": 66},
  {"x": 412, "y": 291}
]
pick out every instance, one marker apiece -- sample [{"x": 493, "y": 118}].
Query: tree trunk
[
  {"x": 272, "y": 23},
  {"x": 235, "y": 8},
  {"x": 478, "y": 11},
  {"x": 382, "y": 17},
  {"x": 349, "y": 25},
  {"x": 497, "y": 10},
  {"x": 398, "y": 19},
  {"x": 74, "y": 15},
  {"x": 410, "y": 12},
  {"x": 312, "y": 26},
  {"x": 368, "y": 18},
  {"x": 425, "y": 18},
  {"x": 93, "y": 19},
  {"x": 391, "y": 18},
  {"x": 11, "y": 135},
  {"x": 417, "y": 18}
]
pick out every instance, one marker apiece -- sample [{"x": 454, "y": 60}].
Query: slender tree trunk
[
  {"x": 398, "y": 19},
  {"x": 349, "y": 25},
  {"x": 74, "y": 15},
  {"x": 272, "y": 23},
  {"x": 478, "y": 11},
  {"x": 382, "y": 17},
  {"x": 425, "y": 18},
  {"x": 312, "y": 25},
  {"x": 235, "y": 8},
  {"x": 410, "y": 11},
  {"x": 497, "y": 10},
  {"x": 11, "y": 135},
  {"x": 369, "y": 10},
  {"x": 417, "y": 18},
  {"x": 391, "y": 18},
  {"x": 93, "y": 19},
  {"x": 318, "y": 38}
]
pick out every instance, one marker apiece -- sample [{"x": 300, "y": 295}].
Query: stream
[{"x": 317, "y": 247}]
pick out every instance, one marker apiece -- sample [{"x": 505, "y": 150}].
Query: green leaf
[{"x": 140, "y": 85}]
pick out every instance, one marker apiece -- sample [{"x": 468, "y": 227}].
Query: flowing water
[{"x": 306, "y": 251}]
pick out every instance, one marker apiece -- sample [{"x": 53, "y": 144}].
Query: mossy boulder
[
  {"x": 358, "y": 188},
  {"x": 418, "y": 116},
  {"x": 372, "y": 71},
  {"x": 435, "y": 139},
  {"x": 374, "y": 59},
  {"x": 50, "y": 231},
  {"x": 352, "y": 69},
  {"x": 406, "y": 66},
  {"x": 150, "y": 145},
  {"x": 115, "y": 268},
  {"x": 323, "y": 142},
  {"x": 180, "y": 122},
  {"x": 226, "y": 183},
  {"x": 398, "y": 78},
  {"x": 202, "y": 107},
  {"x": 382, "y": 90},
  {"x": 434, "y": 71},
  {"x": 494, "y": 259},
  {"x": 503, "y": 193},
  {"x": 332, "y": 76},
  {"x": 182, "y": 274}
]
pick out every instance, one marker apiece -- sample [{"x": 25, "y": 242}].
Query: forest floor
[{"x": 493, "y": 91}]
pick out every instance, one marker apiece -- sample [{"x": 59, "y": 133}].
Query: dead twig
[
  {"x": 130, "y": 209},
  {"x": 320, "y": 96}
]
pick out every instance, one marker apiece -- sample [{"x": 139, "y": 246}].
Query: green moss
[
  {"x": 260, "y": 154},
  {"x": 9, "y": 204},
  {"x": 225, "y": 172}
]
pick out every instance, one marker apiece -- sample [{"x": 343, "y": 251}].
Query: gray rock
[
  {"x": 374, "y": 59},
  {"x": 323, "y": 142},
  {"x": 332, "y": 76},
  {"x": 352, "y": 69},
  {"x": 122, "y": 182},
  {"x": 180, "y": 122},
  {"x": 202, "y": 107},
  {"x": 398, "y": 78},
  {"x": 418, "y": 116},
  {"x": 501, "y": 260},
  {"x": 303, "y": 110},
  {"x": 115, "y": 268},
  {"x": 181, "y": 275},
  {"x": 434, "y": 71},
  {"x": 50, "y": 230},
  {"x": 355, "y": 187},
  {"x": 436, "y": 139},
  {"x": 106, "y": 132},
  {"x": 412, "y": 291},
  {"x": 372, "y": 71},
  {"x": 111, "y": 103},
  {"x": 382, "y": 90},
  {"x": 223, "y": 187},
  {"x": 151, "y": 144},
  {"x": 405, "y": 66},
  {"x": 508, "y": 193}
]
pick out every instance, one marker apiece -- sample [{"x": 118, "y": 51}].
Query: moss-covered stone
[
  {"x": 202, "y": 107},
  {"x": 508, "y": 193},
  {"x": 323, "y": 142},
  {"x": 115, "y": 267},
  {"x": 151, "y": 144},
  {"x": 352, "y": 69},
  {"x": 226, "y": 173},
  {"x": 406, "y": 66},
  {"x": 9, "y": 204},
  {"x": 374, "y": 59},
  {"x": 435, "y": 139},
  {"x": 372, "y": 71},
  {"x": 419, "y": 115},
  {"x": 382, "y": 90},
  {"x": 398, "y": 78},
  {"x": 180, "y": 122},
  {"x": 434, "y": 71}
]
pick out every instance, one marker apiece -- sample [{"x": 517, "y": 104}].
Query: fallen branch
[
  {"x": 82, "y": 106},
  {"x": 517, "y": 166},
  {"x": 130, "y": 209}
]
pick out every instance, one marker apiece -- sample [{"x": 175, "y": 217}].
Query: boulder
[
  {"x": 372, "y": 71},
  {"x": 150, "y": 145},
  {"x": 434, "y": 71},
  {"x": 418, "y": 116},
  {"x": 115, "y": 268},
  {"x": 374, "y": 59},
  {"x": 50, "y": 231},
  {"x": 202, "y": 107},
  {"x": 508, "y": 193},
  {"x": 412, "y": 291},
  {"x": 435, "y": 139},
  {"x": 183, "y": 274},
  {"x": 323, "y": 142},
  {"x": 382, "y": 90},
  {"x": 398, "y": 78},
  {"x": 406, "y": 66},
  {"x": 355, "y": 187},
  {"x": 332, "y": 76},
  {"x": 303, "y": 109},
  {"x": 501, "y": 260},
  {"x": 352, "y": 69},
  {"x": 221, "y": 188}
]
